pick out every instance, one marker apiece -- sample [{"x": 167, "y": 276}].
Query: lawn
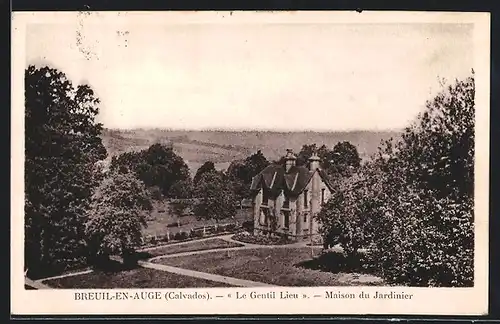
[
  {"x": 278, "y": 266},
  {"x": 215, "y": 243},
  {"x": 132, "y": 278}
]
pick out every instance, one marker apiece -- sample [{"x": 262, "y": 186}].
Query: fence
[{"x": 192, "y": 233}]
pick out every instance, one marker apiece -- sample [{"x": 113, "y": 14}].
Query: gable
[{"x": 275, "y": 179}]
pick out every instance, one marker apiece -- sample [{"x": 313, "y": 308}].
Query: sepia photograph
[{"x": 271, "y": 153}]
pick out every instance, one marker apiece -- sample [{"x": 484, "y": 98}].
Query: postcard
[{"x": 246, "y": 162}]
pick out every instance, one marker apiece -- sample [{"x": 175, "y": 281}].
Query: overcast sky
[{"x": 256, "y": 76}]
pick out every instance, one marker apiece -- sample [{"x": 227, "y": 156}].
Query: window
[
  {"x": 286, "y": 203},
  {"x": 263, "y": 217},
  {"x": 323, "y": 196},
  {"x": 286, "y": 215},
  {"x": 305, "y": 217},
  {"x": 306, "y": 198},
  {"x": 265, "y": 197}
]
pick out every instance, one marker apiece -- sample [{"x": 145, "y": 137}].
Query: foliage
[
  {"x": 344, "y": 159},
  {"x": 62, "y": 148},
  {"x": 240, "y": 173},
  {"x": 117, "y": 216},
  {"x": 216, "y": 198},
  {"x": 156, "y": 166},
  {"x": 206, "y": 167},
  {"x": 412, "y": 204},
  {"x": 182, "y": 189},
  {"x": 308, "y": 150},
  {"x": 440, "y": 145},
  {"x": 341, "y": 161},
  {"x": 345, "y": 218}
]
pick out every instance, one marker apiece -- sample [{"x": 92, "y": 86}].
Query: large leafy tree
[
  {"x": 182, "y": 189},
  {"x": 206, "y": 167},
  {"x": 412, "y": 204},
  {"x": 241, "y": 172},
  {"x": 62, "y": 146},
  {"x": 439, "y": 146},
  {"x": 216, "y": 199},
  {"x": 118, "y": 214},
  {"x": 343, "y": 160},
  {"x": 156, "y": 166},
  {"x": 308, "y": 150}
]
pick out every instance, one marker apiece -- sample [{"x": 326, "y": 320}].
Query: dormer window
[{"x": 323, "y": 196}]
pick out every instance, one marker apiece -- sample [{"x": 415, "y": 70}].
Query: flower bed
[{"x": 245, "y": 237}]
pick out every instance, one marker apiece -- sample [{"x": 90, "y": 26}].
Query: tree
[
  {"x": 347, "y": 218},
  {"x": 182, "y": 189},
  {"x": 308, "y": 150},
  {"x": 206, "y": 167},
  {"x": 416, "y": 197},
  {"x": 216, "y": 199},
  {"x": 157, "y": 166},
  {"x": 62, "y": 147},
  {"x": 118, "y": 214},
  {"x": 241, "y": 172},
  {"x": 343, "y": 160},
  {"x": 439, "y": 145}
]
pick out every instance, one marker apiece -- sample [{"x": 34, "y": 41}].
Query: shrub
[
  {"x": 196, "y": 233},
  {"x": 230, "y": 227},
  {"x": 179, "y": 236},
  {"x": 152, "y": 240},
  {"x": 248, "y": 225}
]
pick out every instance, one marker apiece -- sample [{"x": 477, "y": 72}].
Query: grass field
[
  {"x": 278, "y": 266},
  {"x": 215, "y": 243},
  {"x": 133, "y": 278}
]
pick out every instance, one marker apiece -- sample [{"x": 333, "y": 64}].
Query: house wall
[
  {"x": 301, "y": 219},
  {"x": 256, "y": 211}
]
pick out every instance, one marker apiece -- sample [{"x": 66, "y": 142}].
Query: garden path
[
  {"x": 35, "y": 284},
  {"x": 203, "y": 275}
]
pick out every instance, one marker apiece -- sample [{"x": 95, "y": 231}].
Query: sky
[{"x": 324, "y": 77}]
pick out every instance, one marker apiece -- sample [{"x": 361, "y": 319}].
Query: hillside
[{"x": 222, "y": 147}]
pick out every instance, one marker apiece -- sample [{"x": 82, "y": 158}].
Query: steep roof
[{"x": 293, "y": 182}]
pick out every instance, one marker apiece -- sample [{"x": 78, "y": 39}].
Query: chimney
[
  {"x": 314, "y": 162},
  {"x": 289, "y": 160}
]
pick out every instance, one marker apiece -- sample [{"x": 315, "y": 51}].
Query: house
[{"x": 286, "y": 198}]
